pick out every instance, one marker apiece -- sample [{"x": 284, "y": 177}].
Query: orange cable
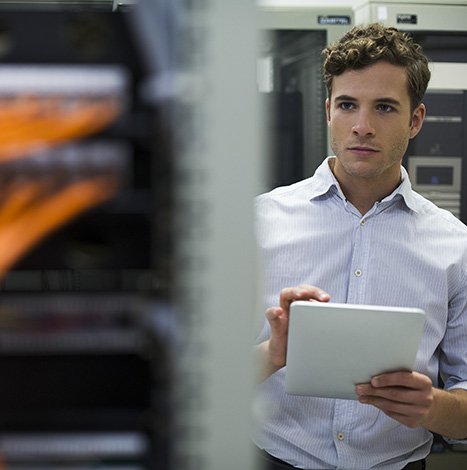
[{"x": 34, "y": 223}]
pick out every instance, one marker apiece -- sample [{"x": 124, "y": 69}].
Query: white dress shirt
[{"x": 403, "y": 252}]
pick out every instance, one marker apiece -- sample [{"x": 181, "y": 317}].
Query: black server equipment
[{"x": 85, "y": 269}]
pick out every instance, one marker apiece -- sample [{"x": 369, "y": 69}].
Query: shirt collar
[
  {"x": 326, "y": 182},
  {"x": 405, "y": 189}
]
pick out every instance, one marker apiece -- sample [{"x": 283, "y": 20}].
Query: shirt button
[
  {"x": 362, "y": 223},
  {"x": 358, "y": 273},
  {"x": 340, "y": 436}
]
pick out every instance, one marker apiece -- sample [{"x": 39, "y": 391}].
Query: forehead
[{"x": 380, "y": 80}]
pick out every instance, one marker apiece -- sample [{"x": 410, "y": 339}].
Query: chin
[{"x": 362, "y": 170}]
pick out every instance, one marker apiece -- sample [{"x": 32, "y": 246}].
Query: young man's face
[{"x": 370, "y": 122}]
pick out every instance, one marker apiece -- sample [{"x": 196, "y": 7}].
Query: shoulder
[
  {"x": 286, "y": 197},
  {"x": 297, "y": 194},
  {"x": 284, "y": 192},
  {"x": 283, "y": 207},
  {"x": 440, "y": 219}
]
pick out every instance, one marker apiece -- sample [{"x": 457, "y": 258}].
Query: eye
[
  {"x": 346, "y": 105},
  {"x": 385, "y": 108}
]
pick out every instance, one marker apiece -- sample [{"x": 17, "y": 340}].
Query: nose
[{"x": 363, "y": 126}]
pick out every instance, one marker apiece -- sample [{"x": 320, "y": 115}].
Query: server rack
[
  {"x": 84, "y": 323},
  {"x": 292, "y": 88}
]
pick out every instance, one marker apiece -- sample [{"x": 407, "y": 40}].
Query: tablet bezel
[{"x": 332, "y": 347}]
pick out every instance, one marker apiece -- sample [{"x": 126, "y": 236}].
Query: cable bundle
[{"x": 36, "y": 199}]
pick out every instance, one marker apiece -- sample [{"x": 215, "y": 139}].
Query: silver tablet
[{"x": 333, "y": 347}]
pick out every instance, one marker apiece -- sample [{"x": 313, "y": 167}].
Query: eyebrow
[
  {"x": 387, "y": 100},
  {"x": 345, "y": 98}
]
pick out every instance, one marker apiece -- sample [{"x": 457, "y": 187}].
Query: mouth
[{"x": 363, "y": 151}]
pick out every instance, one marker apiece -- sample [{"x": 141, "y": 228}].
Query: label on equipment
[{"x": 405, "y": 18}]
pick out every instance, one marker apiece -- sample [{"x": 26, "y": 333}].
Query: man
[{"x": 358, "y": 232}]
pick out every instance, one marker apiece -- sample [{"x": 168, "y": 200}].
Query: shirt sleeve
[{"x": 453, "y": 358}]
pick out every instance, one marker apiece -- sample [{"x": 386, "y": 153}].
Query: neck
[
  {"x": 365, "y": 197},
  {"x": 364, "y": 192}
]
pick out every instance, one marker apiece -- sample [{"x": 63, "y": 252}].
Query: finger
[
  {"x": 414, "y": 412},
  {"x": 412, "y": 380},
  {"x": 386, "y": 404},
  {"x": 273, "y": 314},
  {"x": 303, "y": 292},
  {"x": 409, "y": 421},
  {"x": 278, "y": 320},
  {"x": 408, "y": 415},
  {"x": 391, "y": 394}
]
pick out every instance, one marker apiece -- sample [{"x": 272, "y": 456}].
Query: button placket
[
  {"x": 358, "y": 272},
  {"x": 342, "y": 430},
  {"x": 358, "y": 265}
]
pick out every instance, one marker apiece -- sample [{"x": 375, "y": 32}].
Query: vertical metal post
[{"x": 219, "y": 175}]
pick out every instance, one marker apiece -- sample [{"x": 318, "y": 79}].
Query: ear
[
  {"x": 328, "y": 113},
  {"x": 417, "y": 120}
]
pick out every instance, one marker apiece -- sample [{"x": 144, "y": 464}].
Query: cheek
[
  {"x": 399, "y": 145},
  {"x": 334, "y": 142}
]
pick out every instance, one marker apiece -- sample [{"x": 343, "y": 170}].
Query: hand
[
  {"x": 278, "y": 318},
  {"x": 407, "y": 397}
]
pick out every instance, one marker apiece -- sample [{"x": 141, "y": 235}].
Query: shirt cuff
[{"x": 462, "y": 386}]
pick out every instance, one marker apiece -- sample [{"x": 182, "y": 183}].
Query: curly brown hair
[{"x": 364, "y": 46}]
